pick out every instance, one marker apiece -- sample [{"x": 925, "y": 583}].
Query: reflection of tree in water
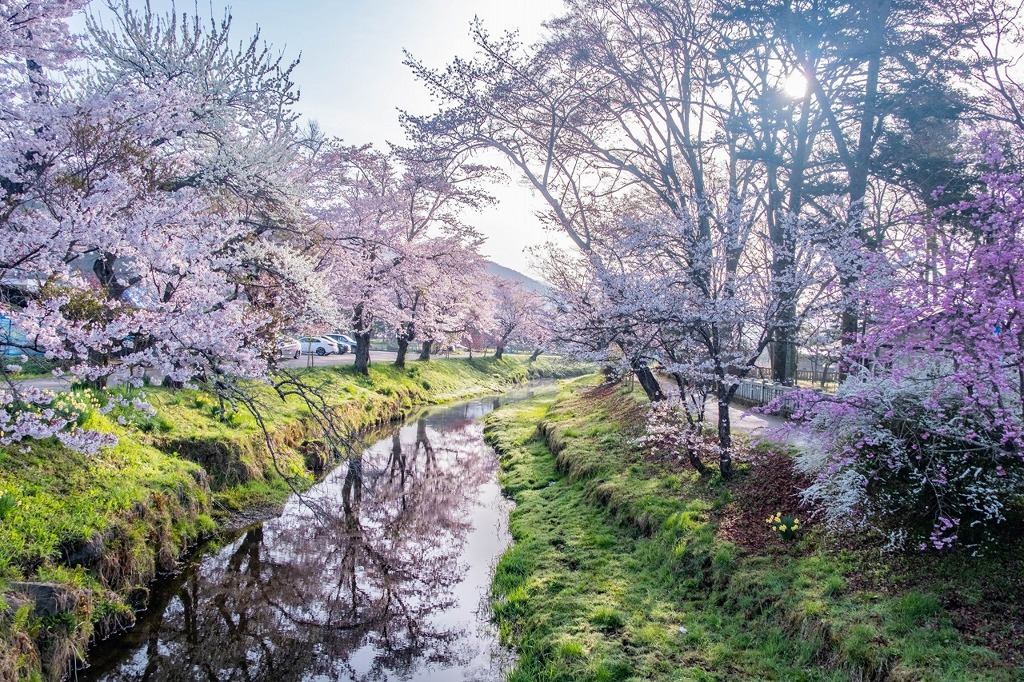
[{"x": 349, "y": 596}]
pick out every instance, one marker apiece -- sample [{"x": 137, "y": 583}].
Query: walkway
[{"x": 767, "y": 426}]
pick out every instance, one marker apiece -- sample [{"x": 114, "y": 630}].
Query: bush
[{"x": 907, "y": 456}]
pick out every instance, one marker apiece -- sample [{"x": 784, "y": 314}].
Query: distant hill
[{"x": 528, "y": 283}]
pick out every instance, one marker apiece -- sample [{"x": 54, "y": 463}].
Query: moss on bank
[
  {"x": 87, "y": 534},
  {"x": 628, "y": 569}
]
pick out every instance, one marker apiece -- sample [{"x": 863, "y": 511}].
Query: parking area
[{"x": 331, "y": 360}]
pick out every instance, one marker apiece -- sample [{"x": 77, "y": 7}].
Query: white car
[
  {"x": 321, "y": 345},
  {"x": 287, "y": 347}
]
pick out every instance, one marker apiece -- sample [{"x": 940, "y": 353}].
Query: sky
[{"x": 353, "y": 81}]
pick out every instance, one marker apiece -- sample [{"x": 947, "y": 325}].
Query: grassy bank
[
  {"x": 82, "y": 536},
  {"x": 626, "y": 568}
]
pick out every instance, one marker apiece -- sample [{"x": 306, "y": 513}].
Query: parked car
[
  {"x": 346, "y": 339},
  {"x": 287, "y": 347},
  {"x": 345, "y": 344},
  {"x": 321, "y": 345}
]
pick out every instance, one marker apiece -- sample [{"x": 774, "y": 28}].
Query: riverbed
[{"x": 381, "y": 571}]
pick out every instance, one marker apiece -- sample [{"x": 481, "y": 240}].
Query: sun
[{"x": 795, "y": 85}]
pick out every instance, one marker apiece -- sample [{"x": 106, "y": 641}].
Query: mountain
[{"x": 528, "y": 283}]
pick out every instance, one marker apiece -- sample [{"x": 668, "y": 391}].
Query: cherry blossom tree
[
  {"x": 435, "y": 296},
  {"x": 457, "y": 310},
  {"x": 154, "y": 219},
  {"x": 395, "y": 241},
  {"x": 630, "y": 101},
  {"x": 151, "y": 198},
  {"x": 517, "y": 314},
  {"x": 926, "y": 439},
  {"x": 441, "y": 247},
  {"x": 701, "y": 306},
  {"x": 660, "y": 114},
  {"x": 35, "y": 44},
  {"x": 356, "y": 217}
]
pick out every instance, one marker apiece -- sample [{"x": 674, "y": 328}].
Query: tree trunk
[
  {"x": 102, "y": 360},
  {"x": 536, "y": 354},
  {"x": 781, "y": 227},
  {"x": 422, "y": 439},
  {"x": 724, "y": 436},
  {"x": 362, "y": 361},
  {"x": 406, "y": 334},
  {"x": 701, "y": 468},
  {"x": 403, "y": 347},
  {"x": 849, "y": 324},
  {"x": 725, "y": 395},
  {"x": 783, "y": 223},
  {"x": 425, "y": 350},
  {"x": 352, "y": 492},
  {"x": 499, "y": 351},
  {"x": 648, "y": 381},
  {"x": 784, "y": 356},
  {"x": 858, "y": 168},
  {"x": 695, "y": 460},
  {"x": 106, "y": 273}
]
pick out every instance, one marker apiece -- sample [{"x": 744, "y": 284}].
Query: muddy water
[{"x": 379, "y": 572}]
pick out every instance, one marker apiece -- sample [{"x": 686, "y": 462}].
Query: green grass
[
  {"x": 103, "y": 526},
  {"x": 35, "y": 366},
  {"x": 126, "y": 513},
  {"x": 612, "y": 555}
]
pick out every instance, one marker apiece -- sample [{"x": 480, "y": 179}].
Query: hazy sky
[{"x": 352, "y": 78}]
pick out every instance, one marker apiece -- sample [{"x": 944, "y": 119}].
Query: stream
[{"x": 381, "y": 571}]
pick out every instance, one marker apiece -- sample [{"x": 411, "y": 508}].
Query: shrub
[{"x": 907, "y": 456}]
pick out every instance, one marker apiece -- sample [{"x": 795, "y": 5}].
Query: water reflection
[{"x": 385, "y": 580}]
